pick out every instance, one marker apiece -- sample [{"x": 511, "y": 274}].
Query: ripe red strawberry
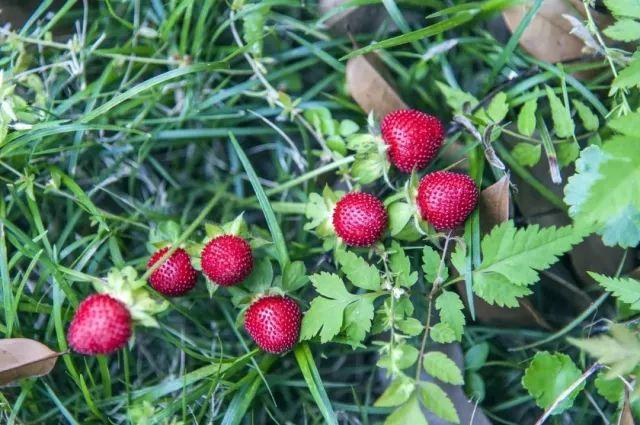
[
  {"x": 273, "y": 322},
  {"x": 413, "y": 138},
  {"x": 445, "y": 199},
  {"x": 176, "y": 276},
  {"x": 101, "y": 325},
  {"x": 359, "y": 219},
  {"x": 227, "y": 260}
]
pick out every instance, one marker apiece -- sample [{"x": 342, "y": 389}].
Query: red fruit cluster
[
  {"x": 413, "y": 138},
  {"x": 101, "y": 325},
  {"x": 227, "y": 260},
  {"x": 445, "y": 199},
  {"x": 273, "y": 322},
  {"x": 359, "y": 219},
  {"x": 176, "y": 276}
]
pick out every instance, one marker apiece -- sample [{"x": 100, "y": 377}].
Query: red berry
[
  {"x": 176, "y": 276},
  {"x": 101, "y": 325},
  {"x": 359, "y": 219},
  {"x": 227, "y": 260},
  {"x": 273, "y": 322},
  {"x": 413, "y": 138},
  {"x": 445, "y": 199}
]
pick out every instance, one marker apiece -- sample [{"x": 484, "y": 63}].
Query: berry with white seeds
[
  {"x": 445, "y": 199},
  {"x": 273, "y": 322},
  {"x": 413, "y": 138},
  {"x": 359, "y": 219},
  {"x": 100, "y": 325},
  {"x": 227, "y": 260},
  {"x": 176, "y": 276}
]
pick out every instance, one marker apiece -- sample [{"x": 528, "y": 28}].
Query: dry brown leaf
[
  {"x": 626, "y": 416},
  {"x": 494, "y": 204},
  {"x": 24, "y": 358},
  {"x": 548, "y": 37},
  {"x": 369, "y": 85}
]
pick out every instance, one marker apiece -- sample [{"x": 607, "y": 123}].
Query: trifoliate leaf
[
  {"x": 442, "y": 333},
  {"x": 620, "y": 350},
  {"x": 498, "y": 108},
  {"x": 358, "y": 271},
  {"x": 589, "y": 119},
  {"x": 562, "y": 121},
  {"x": 440, "y": 366},
  {"x": 527, "y": 117},
  {"x": 401, "y": 266},
  {"x": 397, "y": 393},
  {"x": 431, "y": 264},
  {"x": 450, "y": 306},
  {"x": 527, "y": 154},
  {"x": 626, "y": 290},
  {"x": 437, "y": 401},
  {"x": 548, "y": 375},
  {"x": 611, "y": 389},
  {"x": 408, "y": 413},
  {"x": 518, "y": 254}
]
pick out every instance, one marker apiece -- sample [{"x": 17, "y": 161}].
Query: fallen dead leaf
[
  {"x": 494, "y": 204},
  {"x": 626, "y": 416},
  {"x": 369, "y": 84},
  {"x": 24, "y": 358}
]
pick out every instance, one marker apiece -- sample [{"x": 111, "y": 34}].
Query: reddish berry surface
[
  {"x": 101, "y": 325},
  {"x": 359, "y": 219},
  {"x": 227, "y": 260},
  {"x": 176, "y": 276},
  {"x": 413, "y": 138},
  {"x": 273, "y": 322},
  {"x": 445, "y": 199}
]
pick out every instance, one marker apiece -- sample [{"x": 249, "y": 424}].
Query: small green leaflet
[
  {"x": 626, "y": 290},
  {"x": 408, "y": 413},
  {"x": 562, "y": 121},
  {"x": 436, "y": 400},
  {"x": 629, "y": 8},
  {"x": 401, "y": 266},
  {"x": 397, "y": 393},
  {"x": 548, "y": 375},
  {"x": 629, "y": 124},
  {"x": 589, "y": 119},
  {"x": 610, "y": 389},
  {"x": 624, "y": 30},
  {"x": 358, "y": 271},
  {"x": 455, "y": 98},
  {"x": 326, "y": 314},
  {"x": 431, "y": 264},
  {"x": 450, "y": 306},
  {"x": 399, "y": 215},
  {"x": 527, "y": 154},
  {"x": 620, "y": 350},
  {"x": 627, "y": 78},
  {"x": 496, "y": 289},
  {"x": 527, "y": 117},
  {"x": 440, "y": 366},
  {"x": 442, "y": 333},
  {"x": 498, "y": 108}
]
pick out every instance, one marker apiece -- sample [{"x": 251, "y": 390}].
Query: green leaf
[
  {"x": 408, "y": 413},
  {"x": 450, "y": 306},
  {"x": 630, "y": 8},
  {"x": 442, "y": 333},
  {"x": 357, "y": 318},
  {"x": 401, "y": 356},
  {"x": 527, "y": 154},
  {"x": 476, "y": 357},
  {"x": 455, "y": 98},
  {"x": 347, "y": 128},
  {"x": 548, "y": 375},
  {"x": 626, "y": 290},
  {"x": 367, "y": 169},
  {"x": 401, "y": 266},
  {"x": 589, "y": 119},
  {"x": 331, "y": 286},
  {"x": 562, "y": 121},
  {"x": 410, "y": 326},
  {"x": 611, "y": 389},
  {"x": 399, "y": 215},
  {"x": 440, "y": 366},
  {"x": 496, "y": 289},
  {"x": 527, "y": 117},
  {"x": 567, "y": 152},
  {"x": 620, "y": 350},
  {"x": 397, "y": 393},
  {"x": 498, "y": 108},
  {"x": 629, "y": 77},
  {"x": 431, "y": 264},
  {"x": 518, "y": 254},
  {"x": 436, "y": 400},
  {"x": 358, "y": 271},
  {"x": 261, "y": 276},
  {"x": 294, "y": 276},
  {"x": 624, "y": 30},
  {"x": 629, "y": 124}
]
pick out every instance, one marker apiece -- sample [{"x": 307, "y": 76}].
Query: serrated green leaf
[
  {"x": 527, "y": 117},
  {"x": 450, "y": 306},
  {"x": 620, "y": 350},
  {"x": 440, "y": 366},
  {"x": 562, "y": 121},
  {"x": 400, "y": 357},
  {"x": 401, "y": 266},
  {"x": 437, "y": 401},
  {"x": 567, "y": 152},
  {"x": 408, "y": 413},
  {"x": 410, "y": 326},
  {"x": 442, "y": 333},
  {"x": 358, "y": 271},
  {"x": 431, "y": 264},
  {"x": 495, "y": 288},
  {"x": 611, "y": 389},
  {"x": 626, "y": 290},
  {"x": 629, "y": 77},
  {"x": 527, "y": 154},
  {"x": 630, "y": 8},
  {"x": 397, "y": 393},
  {"x": 498, "y": 108},
  {"x": 455, "y": 98},
  {"x": 623, "y": 30},
  {"x": 331, "y": 286},
  {"x": 357, "y": 319},
  {"x": 548, "y": 376},
  {"x": 629, "y": 124},
  {"x": 324, "y": 317},
  {"x": 589, "y": 119}
]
